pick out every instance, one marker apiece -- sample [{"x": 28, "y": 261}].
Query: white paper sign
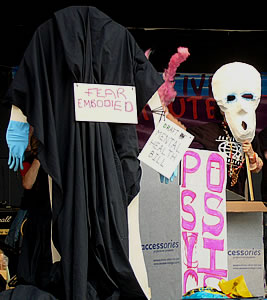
[
  {"x": 105, "y": 103},
  {"x": 203, "y": 219},
  {"x": 166, "y": 147}
]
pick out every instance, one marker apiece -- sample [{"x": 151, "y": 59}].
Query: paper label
[
  {"x": 166, "y": 147},
  {"x": 105, "y": 103}
]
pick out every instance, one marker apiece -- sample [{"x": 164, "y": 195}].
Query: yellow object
[{"x": 236, "y": 287}]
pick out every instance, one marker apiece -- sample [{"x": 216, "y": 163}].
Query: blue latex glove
[
  {"x": 17, "y": 137},
  {"x": 166, "y": 180}
]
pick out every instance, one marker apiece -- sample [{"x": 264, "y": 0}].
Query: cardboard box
[
  {"x": 160, "y": 236},
  {"x": 246, "y": 249}
]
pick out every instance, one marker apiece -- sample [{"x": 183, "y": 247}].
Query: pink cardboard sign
[{"x": 203, "y": 219}]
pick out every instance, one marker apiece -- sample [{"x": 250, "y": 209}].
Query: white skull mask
[{"x": 236, "y": 88}]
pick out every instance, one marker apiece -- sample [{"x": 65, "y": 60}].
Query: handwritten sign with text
[
  {"x": 203, "y": 219},
  {"x": 165, "y": 147},
  {"x": 105, "y": 103}
]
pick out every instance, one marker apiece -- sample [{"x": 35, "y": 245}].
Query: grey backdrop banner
[{"x": 160, "y": 235}]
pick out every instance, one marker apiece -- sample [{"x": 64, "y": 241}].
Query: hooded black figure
[{"x": 93, "y": 166}]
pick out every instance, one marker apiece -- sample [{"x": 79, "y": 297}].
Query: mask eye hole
[
  {"x": 230, "y": 98},
  {"x": 248, "y": 96}
]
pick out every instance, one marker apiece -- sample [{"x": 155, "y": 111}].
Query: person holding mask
[
  {"x": 236, "y": 88},
  {"x": 217, "y": 136}
]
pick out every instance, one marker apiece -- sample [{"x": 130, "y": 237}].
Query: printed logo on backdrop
[
  {"x": 105, "y": 103},
  {"x": 161, "y": 246},
  {"x": 169, "y": 249},
  {"x": 243, "y": 260},
  {"x": 203, "y": 219}
]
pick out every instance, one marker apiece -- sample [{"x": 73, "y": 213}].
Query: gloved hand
[
  {"x": 17, "y": 137},
  {"x": 163, "y": 178}
]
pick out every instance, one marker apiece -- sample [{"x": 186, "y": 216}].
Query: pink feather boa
[
  {"x": 148, "y": 52},
  {"x": 167, "y": 92}
]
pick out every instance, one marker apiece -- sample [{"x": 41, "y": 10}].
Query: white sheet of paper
[
  {"x": 166, "y": 147},
  {"x": 105, "y": 103}
]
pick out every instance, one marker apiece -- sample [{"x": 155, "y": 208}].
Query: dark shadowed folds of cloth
[
  {"x": 26, "y": 292},
  {"x": 93, "y": 165}
]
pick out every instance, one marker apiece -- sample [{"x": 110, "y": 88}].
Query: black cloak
[
  {"x": 93, "y": 165},
  {"x": 28, "y": 292}
]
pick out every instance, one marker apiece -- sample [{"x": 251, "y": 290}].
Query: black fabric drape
[
  {"x": 28, "y": 292},
  {"x": 94, "y": 166}
]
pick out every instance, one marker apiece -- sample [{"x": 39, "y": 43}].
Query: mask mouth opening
[{"x": 244, "y": 125}]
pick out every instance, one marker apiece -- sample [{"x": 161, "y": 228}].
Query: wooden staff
[{"x": 249, "y": 178}]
